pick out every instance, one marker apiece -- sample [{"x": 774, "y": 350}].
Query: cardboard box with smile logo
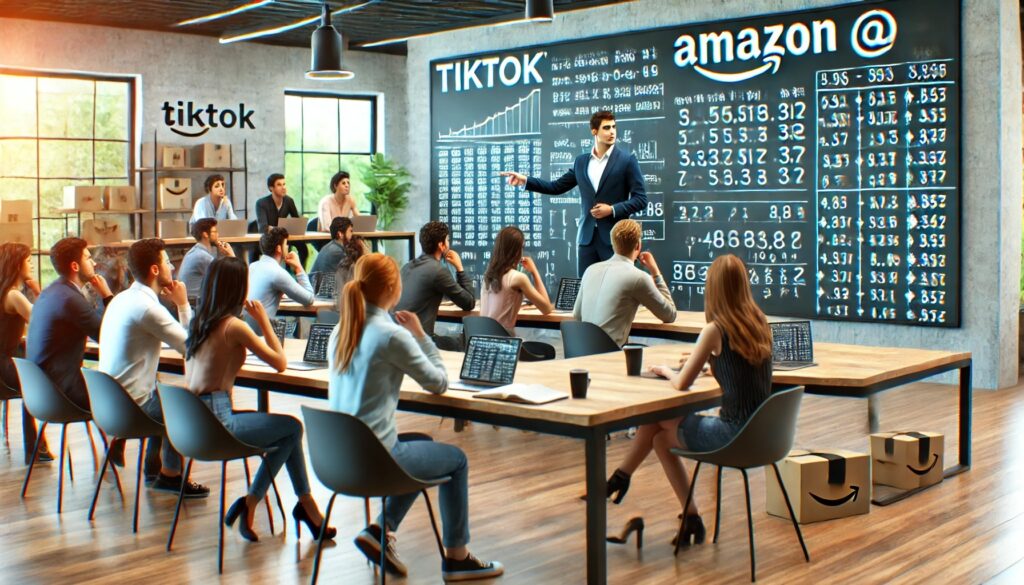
[
  {"x": 907, "y": 460},
  {"x": 822, "y": 485},
  {"x": 84, "y": 197},
  {"x": 175, "y": 194}
]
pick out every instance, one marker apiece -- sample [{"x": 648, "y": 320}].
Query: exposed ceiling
[{"x": 369, "y": 21}]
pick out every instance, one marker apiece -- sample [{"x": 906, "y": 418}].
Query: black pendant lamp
[
  {"x": 326, "y": 45},
  {"x": 540, "y": 10}
]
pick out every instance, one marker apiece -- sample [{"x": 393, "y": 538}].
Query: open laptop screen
[
  {"x": 791, "y": 341},
  {"x": 568, "y": 288},
  {"x": 316, "y": 345},
  {"x": 326, "y": 285},
  {"x": 491, "y": 360}
]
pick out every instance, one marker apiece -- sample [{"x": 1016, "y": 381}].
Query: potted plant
[{"x": 388, "y": 184}]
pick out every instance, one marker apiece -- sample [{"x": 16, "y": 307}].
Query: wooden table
[{"x": 253, "y": 240}]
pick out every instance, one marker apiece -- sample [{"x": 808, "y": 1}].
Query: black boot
[{"x": 618, "y": 484}]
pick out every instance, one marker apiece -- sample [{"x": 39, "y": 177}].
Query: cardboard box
[
  {"x": 211, "y": 156},
  {"x": 175, "y": 193},
  {"x": 171, "y": 157},
  {"x": 122, "y": 198},
  {"x": 83, "y": 197},
  {"x": 822, "y": 485},
  {"x": 19, "y": 232},
  {"x": 172, "y": 228},
  {"x": 15, "y": 211},
  {"x": 101, "y": 231},
  {"x": 907, "y": 460}
]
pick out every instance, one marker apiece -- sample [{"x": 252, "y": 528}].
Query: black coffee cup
[
  {"x": 634, "y": 358},
  {"x": 579, "y": 381}
]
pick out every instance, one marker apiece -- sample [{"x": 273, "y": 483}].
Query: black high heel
[
  {"x": 240, "y": 508},
  {"x": 634, "y": 525},
  {"x": 618, "y": 484},
  {"x": 693, "y": 527},
  {"x": 300, "y": 515}
]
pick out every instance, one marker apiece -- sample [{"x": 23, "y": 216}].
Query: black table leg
[
  {"x": 597, "y": 514},
  {"x": 262, "y": 401},
  {"x": 412, "y": 248}
]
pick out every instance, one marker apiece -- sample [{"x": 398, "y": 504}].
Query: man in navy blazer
[
  {"x": 62, "y": 318},
  {"x": 611, "y": 188}
]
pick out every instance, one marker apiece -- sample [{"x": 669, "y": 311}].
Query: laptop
[
  {"x": 489, "y": 362},
  {"x": 232, "y": 228},
  {"x": 568, "y": 288},
  {"x": 325, "y": 285},
  {"x": 315, "y": 357},
  {"x": 792, "y": 347},
  {"x": 296, "y": 226},
  {"x": 364, "y": 223}
]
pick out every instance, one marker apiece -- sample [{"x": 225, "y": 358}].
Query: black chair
[
  {"x": 327, "y": 316},
  {"x": 350, "y": 460},
  {"x": 253, "y": 227},
  {"x": 197, "y": 434},
  {"x": 118, "y": 415},
  {"x": 312, "y": 226},
  {"x": 531, "y": 351},
  {"x": 580, "y": 338},
  {"x": 767, "y": 437},
  {"x": 48, "y": 404}
]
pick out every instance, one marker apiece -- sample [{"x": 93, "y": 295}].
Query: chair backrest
[
  {"x": 253, "y": 227},
  {"x": 42, "y": 399},
  {"x": 314, "y": 222},
  {"x": 474, "y": 326},
  {"x": 195, "y": 432},
  {"x": 349, "y": 459},
  {"x": 580, "y": 338},
  {"x": 115, "y": 411},
  {"x": 327, "y": 316},
  {"x": 768, "y": 435}
]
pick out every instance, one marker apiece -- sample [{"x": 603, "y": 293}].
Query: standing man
[
  {"x": 611, "y": 188},
  {"x": 268, "y": 280},
  {"x": 216, "y": 203},
  {"x": 198, "y": 259},
  {"x": 275, "y": 206}
]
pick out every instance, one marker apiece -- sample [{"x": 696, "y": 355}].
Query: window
[
  {"x": 59, "y": 130},
  {"x": 325, "y": 134}
]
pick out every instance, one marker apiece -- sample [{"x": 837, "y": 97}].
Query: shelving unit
[{"x": 134, "y": 226}]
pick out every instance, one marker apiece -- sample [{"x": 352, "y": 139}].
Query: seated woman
[
  {"x": 369, "y": 354},
  {"x": 354, "y": 250},
  {"x": 505, "y": 286},
  {"x": 15, "y": 311},
  {"x": 737, "y": 342},
  {"x": 214, "y": 352}
]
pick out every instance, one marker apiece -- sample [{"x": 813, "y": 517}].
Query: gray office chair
[
  {"x": 327, "y": 316},
  {"x": 531, "y": 351},
  {"x": 350, "y": 460},
  {"x": 580, "y": 338},
  {"x": 196, "y": 433},
  {"x": 48, "y": 404},
  {"x": 766, "y": 438},
  {"x": 118, "y": 415}
]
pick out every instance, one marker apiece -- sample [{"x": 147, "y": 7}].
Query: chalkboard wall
[{"x": 822, "y": 147}]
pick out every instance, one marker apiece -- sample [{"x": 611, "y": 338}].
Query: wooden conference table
[
  {"x": 253, "y": 239},
  {"x": 616, "y": 402}
]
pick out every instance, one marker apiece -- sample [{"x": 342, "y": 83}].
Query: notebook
[
  {"x": 522, "y": 394},
  {"x": 315, "y": 357},
  {"x": 296, "y": 226},
  {"x": 231, "y": 228},
  {"x": 568, "y": 288},
  {"x": 364, "y": 223},
  {"x": 489, "y": 362},
  {"x": 325, "y": 284},
  {"x": 792, "y": 347}
]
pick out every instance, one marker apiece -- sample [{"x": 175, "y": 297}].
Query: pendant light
[
  {"x": 326, "y": 51},
  {"x": 540, "y": 10}
]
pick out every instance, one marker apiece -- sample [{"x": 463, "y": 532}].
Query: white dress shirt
[
  {"x": 134, "y": 326},
  {"x": 596, "y": 168}
]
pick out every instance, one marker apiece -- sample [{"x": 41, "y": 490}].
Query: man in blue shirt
[
  {"x": 268, "y": 280},
  {"x": 197, "y": 260},
  {"x": 216, "y": 203}
]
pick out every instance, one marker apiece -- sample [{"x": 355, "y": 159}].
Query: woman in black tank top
[{"x": 737, "y": 344}]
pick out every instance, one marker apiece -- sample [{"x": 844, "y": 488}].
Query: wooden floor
[{"x": 525, "y": 513}]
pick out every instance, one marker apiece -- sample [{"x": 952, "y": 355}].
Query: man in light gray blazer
[{"x": 612, "y": 290}]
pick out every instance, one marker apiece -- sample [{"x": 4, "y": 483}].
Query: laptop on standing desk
[
  {"x": 364, "y": 223},
  {"x": 792, "y": 346},
  {"x": 296, "y": 226},
  {"x": 489, "y": 362}
]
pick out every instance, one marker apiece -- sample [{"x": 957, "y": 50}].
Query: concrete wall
[
  {"x": 991, "y": 147},
  {"x": 175, "y": 67}
]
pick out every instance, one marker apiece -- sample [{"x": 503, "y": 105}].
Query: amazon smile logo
[
  {"x": 915, "y": 471},
  {"x": 173, "y": 192},
  {"x": 186, "y": 119},
  {"x": 854, "y": 490}
]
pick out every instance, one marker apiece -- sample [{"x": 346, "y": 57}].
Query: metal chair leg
[
  {"x": 792, "y": 516},
  {"x": 383, "y": 540},
  {"x": 718, "y": 505},
  {"x": 750, "y": 526},
  {"x": 71, "y": 465},
  {"x": 320, "y": 540},
  {"x": 366, "y": 510},
  {"x": 689, "y": 498},
  {"x": 99, "y": 482},
  {"x": 138, "y": 484},
  {"x": 60, "y": 477},
  {"x": 177, "y": 509},
  {"x": 433, "y": 524},
  {"x": 92, "y": 443},
  {"x": 32, "y": 460},
  {"x": 113, "y": 468},
  {"x": 220, "y": 519}
]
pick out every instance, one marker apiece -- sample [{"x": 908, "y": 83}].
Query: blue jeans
[
  {"x": 262, "y": 429},
  {"x": 704, "y": 433},
  {"x": 169, "y": 458},
  {"x": 430, "y": 460}
]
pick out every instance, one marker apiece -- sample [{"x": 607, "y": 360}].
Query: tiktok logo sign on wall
[{"x": 188, "y": 119}]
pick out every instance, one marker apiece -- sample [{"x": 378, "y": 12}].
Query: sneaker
[
  {"x": 368, "y": 542},
  {"x": 163, "y": 483},
  {"x": 470, "y": 568}
]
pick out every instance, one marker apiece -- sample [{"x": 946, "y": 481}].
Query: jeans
[
  {"x": 170, "y": 458},
  {"x": 706, "y": 433},
  {"x": 430, "y": 460},
  {"x": 282, "y": 432}
]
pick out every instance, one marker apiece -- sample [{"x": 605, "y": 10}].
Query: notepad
[{"x": 522, "y": 394}]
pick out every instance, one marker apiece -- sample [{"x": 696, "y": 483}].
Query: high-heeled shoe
[
  {"x": 618, "y": 484},
  {"x": 300, "y": 515},
  {"x": 241, "y": 508},
  {"x": 693, "y": 527},
  {"x": 634, "y": 525}
]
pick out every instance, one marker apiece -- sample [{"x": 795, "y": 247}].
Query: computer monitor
[
  {"x": 568, "y": 288},
  {"x": 491, "y": 361}
]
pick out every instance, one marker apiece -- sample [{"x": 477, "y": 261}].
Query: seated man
[
  {"x": 197, "y": 260},
  {"x": 612, "y": 290},
  {"x": 268, "y": 280},
  {"x": 276, "y": 205},
  {"x": 134, "y": 326},
  {"x": 216, "y": 203},
  {"x": 331, "y": 254},
  {"x": 62, "y": 318},
  {"x": 425, "y": 282}
]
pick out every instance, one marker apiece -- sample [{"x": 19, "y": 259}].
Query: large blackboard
[{"x": 822, "y": 147}]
